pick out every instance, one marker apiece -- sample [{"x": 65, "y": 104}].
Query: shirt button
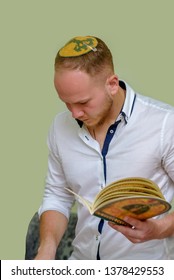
[{"x": 111, "y": 131}]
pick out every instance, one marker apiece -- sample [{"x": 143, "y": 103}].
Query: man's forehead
[{"x": 73, "y": 75}]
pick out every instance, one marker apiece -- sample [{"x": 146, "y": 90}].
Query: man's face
[{"x": 86, "y": 97}]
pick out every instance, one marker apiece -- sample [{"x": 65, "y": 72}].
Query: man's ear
[{"x": 112, "y": 84}]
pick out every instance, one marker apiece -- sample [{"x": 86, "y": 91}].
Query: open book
[{"x": 135, "y": 197}]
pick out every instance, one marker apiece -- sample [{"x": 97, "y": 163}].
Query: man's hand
[{"x": 140, "y": 231}]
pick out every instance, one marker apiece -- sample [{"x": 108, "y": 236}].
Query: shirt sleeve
[
  {"x": 55, "y": 196},
  {"x": 167, "y": 145}
]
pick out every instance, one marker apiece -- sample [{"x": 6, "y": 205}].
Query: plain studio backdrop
[{"x": 140, "y": 36}]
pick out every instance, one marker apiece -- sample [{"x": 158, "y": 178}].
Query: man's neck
[{"x": 99, "y": 131}]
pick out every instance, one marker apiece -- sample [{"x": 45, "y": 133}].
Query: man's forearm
[{"x": 52, "y": 227}]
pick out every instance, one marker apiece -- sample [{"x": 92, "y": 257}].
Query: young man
[{"x": 108, "y": 133}]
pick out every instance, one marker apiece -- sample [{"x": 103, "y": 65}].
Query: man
[{"x": 108, "y": 133}]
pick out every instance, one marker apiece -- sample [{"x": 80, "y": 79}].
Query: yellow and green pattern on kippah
[{"x": 79, "y": 46}]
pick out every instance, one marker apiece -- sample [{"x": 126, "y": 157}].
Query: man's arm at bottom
[{"x": 52, "y": 227}]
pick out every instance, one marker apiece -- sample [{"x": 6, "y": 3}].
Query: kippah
[{"x": 79, "y": 46}]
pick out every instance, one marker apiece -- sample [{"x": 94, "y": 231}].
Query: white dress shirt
[{"x": 142, "y": 145}]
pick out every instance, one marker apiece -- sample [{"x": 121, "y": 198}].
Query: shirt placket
[{"x": 109, "y": 136}]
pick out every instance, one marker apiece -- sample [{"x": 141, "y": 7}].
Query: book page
[{"x": 84, "y": 201}]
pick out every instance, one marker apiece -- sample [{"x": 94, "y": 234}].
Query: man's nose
[
  {"x": 77, "y": 113},
  {"x": 75, "y": 110}
]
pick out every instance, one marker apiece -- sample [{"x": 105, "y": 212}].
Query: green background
[{"x": 140, "y": 35}]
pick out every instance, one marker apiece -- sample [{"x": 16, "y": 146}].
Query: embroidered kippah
[{"x": 79, "y": 46}]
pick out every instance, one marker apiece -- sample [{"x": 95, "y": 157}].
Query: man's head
[{"x": 85, "y": 81}]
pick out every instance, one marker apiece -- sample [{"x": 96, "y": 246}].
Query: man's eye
[{"x": 83, "y": 103}]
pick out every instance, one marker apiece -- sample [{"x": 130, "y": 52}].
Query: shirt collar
[{"x": 129, "y": 101}]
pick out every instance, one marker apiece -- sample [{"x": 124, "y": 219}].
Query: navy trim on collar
[
  {"x": 122, "y": 85},
  {"x": 80, "y": 123}
]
